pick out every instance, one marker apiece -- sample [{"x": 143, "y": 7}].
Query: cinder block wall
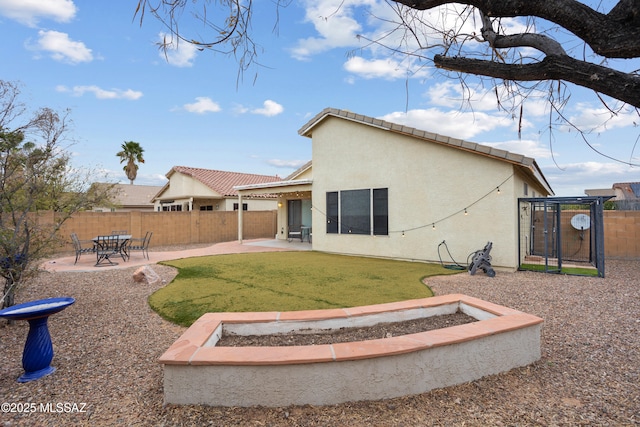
[
  {"x": 621, "y": 228},
  {"x": 622, "y": 234},
  {"x": 171, "y": 228}
]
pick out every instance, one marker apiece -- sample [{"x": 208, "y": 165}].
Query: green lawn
[
  {"x": 575, "y": 271},
  {"x": 285, "y": 281}
]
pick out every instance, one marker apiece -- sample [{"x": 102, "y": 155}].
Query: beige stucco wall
[
  {"x": 184, "y": 186},
  {"x": 427, "y": 183},
  {"x": 184, "y": 190},
  {"x": 252, "y": 204},
  {"x": 302, "y": 192}
]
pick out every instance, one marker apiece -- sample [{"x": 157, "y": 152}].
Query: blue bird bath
[{"x": 38, "y": 349}]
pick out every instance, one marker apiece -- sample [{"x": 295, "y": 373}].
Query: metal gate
[{"x": 562, "y": 235}]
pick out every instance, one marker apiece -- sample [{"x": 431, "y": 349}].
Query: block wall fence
[
  {"x": 622, "y": 235},
  {"x": 621, "y": 228},
  {"x": 169, "y": 228}
]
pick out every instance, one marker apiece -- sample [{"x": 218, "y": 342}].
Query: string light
[{"x": 433, "y": 224}]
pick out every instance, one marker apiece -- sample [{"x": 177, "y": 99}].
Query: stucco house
[
  {"x": 191, "y": 188},
  {"x": 128, "y": 197},
  {"x": 376, "y": 188},
  {"x": 625, "y": 195}
]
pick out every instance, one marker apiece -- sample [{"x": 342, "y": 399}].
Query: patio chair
[
  {"x": 141, "y": 244},
  {"x": 294, "y": 232},
  {"x": 107, "y": 247},
  {"x": 77, "y": 246}
]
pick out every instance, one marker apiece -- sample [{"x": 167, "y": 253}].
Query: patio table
[{"x": 110, "y": 245}]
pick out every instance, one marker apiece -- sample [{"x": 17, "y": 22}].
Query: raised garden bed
[
  {"x": 199, "y": 371},
  {"x": 346, "y": 334}
]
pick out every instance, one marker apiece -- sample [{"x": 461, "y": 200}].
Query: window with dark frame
[
  {"x": 172, "y": 208},
  {"x": 244, "y": 207},
  {"x": 355, "y": 212},
  {"x": 380, "y": 211},
  {"x": 351, "y": 212},
  {"x": 332, "y": 212}
]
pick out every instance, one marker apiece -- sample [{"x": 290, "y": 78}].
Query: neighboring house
[
  {"x": 381, "y": 189},
  {"x": 127, "y": 198},
  {"x": 625, "y": 195},
  {"x": 618, "y": 191},
  {"x": 210, "y": 190},
  {"x": 627, "y": 191},
  {"x": 600, "y": 192}
]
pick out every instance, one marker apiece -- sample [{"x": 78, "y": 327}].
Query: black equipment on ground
[{"x": 481, "y": 259}]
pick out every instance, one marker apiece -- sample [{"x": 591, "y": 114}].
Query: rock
[{"x": 145, "y": 274}]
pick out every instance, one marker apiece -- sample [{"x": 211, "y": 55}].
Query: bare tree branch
[
  {"x": 619, "y": 85},
  {"x": 612, "y": 35}
]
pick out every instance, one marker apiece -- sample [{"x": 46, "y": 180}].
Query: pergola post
[{"x": 240, "y": 231}]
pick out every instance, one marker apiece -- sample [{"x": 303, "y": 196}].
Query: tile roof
[
  {"x": 222, "y": 182},
  {"x": 517, "y": 159},
  {"x": 630, "y": 190},
  {"x": 128, "y": 195},
  {"x": 131, "y": 195}
]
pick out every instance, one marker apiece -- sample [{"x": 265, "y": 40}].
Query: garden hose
[{"x": 455, "y": 265}]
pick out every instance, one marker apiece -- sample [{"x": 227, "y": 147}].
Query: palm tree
[{"x": 132, "y": 154}]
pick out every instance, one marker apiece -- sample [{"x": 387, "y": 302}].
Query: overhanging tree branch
[
  {"x": 619, "y": 85},
  {"x": 612, "y": 35}
]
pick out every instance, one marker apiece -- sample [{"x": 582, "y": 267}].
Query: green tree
[
  {"x": 35, "y": 175},
  {"x": 131, "y": 154}
]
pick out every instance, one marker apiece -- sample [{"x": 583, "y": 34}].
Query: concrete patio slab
[{"x": 87, "y": 262}]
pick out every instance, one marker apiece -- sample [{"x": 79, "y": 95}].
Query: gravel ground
[
  {"x": 346, "y": 334},
  {"x": 107, "y": 345}
]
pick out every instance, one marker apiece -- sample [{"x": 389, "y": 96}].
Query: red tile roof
[{"x": 223, "y": 182}]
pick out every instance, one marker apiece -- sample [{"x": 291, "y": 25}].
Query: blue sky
[{"x": 188, "y": 108}]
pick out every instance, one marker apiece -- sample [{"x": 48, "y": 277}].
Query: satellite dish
[{"x": 581, "y": 222}]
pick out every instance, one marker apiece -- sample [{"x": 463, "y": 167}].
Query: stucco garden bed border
[{"x": 196, "y": 371}]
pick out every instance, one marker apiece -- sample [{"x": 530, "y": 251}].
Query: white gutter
[{"x": 273, "y": 184}]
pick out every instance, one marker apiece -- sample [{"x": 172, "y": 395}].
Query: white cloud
[
  {"x": 455, "y": 94},
  {"x": 573, "y": 178},
  {"x": 100, "y": 93},
  {"x": 286, "y": 164},
  {"x": 61, "y": 48},
  {"x": 270, "y": 108},
  {"x": 333, "y": 21},
  {"x": 339, "y": 23},
  {"x": 591, "y": 119},
  {"x": 179, "y": 54},
  {"x": 142, "y": 179},
  {"x": 526, "y": 147},
  {"x": 240, "y": 109},
  {"x": 457, "y": 124},
  {"x": 382, "y": 68},
  {"x": 30, "y": 12},
  {"x": 202, "y": 105}
]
